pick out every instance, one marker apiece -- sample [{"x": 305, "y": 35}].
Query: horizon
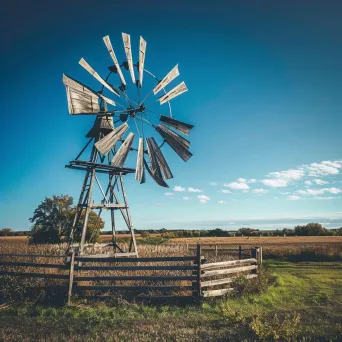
[{"x": 264, "y": 96}]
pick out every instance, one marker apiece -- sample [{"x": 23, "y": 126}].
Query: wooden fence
[{"x": 184, "y": 279}]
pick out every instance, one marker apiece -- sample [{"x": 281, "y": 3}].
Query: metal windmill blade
[
  {"x": 128, "y": 50},
  {"x": 139, "y": 170},
  {"x": 102, "y": 124},
  {"x": 176, "y": 91},
  {"x": 164, "y": 167},
  {"x": 154, "y": 165},
  {"x": 92, "y": 72},
  {"x": 166, "y": 80},
  {"x": 121, "y": 155},
  {"x": 142, "y": 52},
  {"x": 175, "y": 141},
  {"x": 105, "y": 144},
  {"x": 110, "y": 49},
  {"x": 178, "y": 125},
  {"x": 82, "y": 99},
  {"x": 160, "y": 181}
]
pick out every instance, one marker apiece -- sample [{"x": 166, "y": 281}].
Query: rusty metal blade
[
  {"x": 142, "y": 52},
  {"x": 166, "y": 80},
  {"x": 178, "y": 125},
  {"x": 105, "y": 144},
  {"x": 92, "y": 72},
  {"x": 156, "y": 178},
  {"x": 127, "y": 45},
  {"x": 139, "y": 170},
  {"x": 176, "y": 91},
  {"x": 121, "y": 155},
  {"x": 175, "y": 142},
  {"x": 110, "y": 49},
  {"x": 161, "y": 160}
]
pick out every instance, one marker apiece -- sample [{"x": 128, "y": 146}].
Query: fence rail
[{"x": 193, "y": 276}]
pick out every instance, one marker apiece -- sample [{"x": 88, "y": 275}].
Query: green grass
[{"x": 305, "y": 301}]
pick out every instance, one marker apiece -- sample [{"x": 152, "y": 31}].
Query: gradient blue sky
[{"x": 264, "y": 79}]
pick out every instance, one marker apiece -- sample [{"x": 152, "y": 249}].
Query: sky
[{"x": 264, "y": 80}]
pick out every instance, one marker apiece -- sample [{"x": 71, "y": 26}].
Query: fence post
[
  {"x": 259, "y": 255},
  {"x": 215, "y": 252},
  {"x": 240, "y": 253},
  {"x": 198, "y": 262},
  {"x": 71, "y": 274}
]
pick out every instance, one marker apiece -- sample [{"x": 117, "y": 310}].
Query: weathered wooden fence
[{"x": 180, "y": 279}]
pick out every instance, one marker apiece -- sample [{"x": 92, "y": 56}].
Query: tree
[
  {"x": 311, "y": 229},
  {"x": 6, "y": 231},
  {"x": 52, "y": 220}
]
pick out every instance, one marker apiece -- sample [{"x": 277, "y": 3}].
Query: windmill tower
[{"x": 107, "y": 150}]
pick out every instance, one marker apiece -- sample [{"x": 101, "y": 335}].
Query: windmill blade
[
  {"x": 115, "y": 60},
  {"x": 103, "y": 124},
  {"x": 176, "y": 136},
  {"x": 82, "y": 99},
  {"x": 154, "y": 166},
  {"x": 156, "y": 178},
  {"x": 178, "y": 125},
  {"x": 142, "y": 52},
  {"x": 139, "y": 170},
  {"x": 91, "y": 71},
  {"x": 166, "y": 80},
  {"x": 105, "y": 144},
  {"x": 127, "y": 45},
  {"x": 161, "y": 160},
  {"x": 174, "y": 142},
  {"x": 176, "y": 91},
  {"x": 121, "y": 156}
]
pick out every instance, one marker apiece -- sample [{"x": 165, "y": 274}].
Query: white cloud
[
  {"x": 241, "y": 180},
  {"x": 226, "y": 191},
  {"x": 178, "y": 188},
  {"x": 288, "y": 174},
  {"x": 203, "y": 199},
  {"x": 169, "y": 194},
  {"x": 320, "y": 181},
  {"x": 237, "y": 186},
  {"x": 324, "y": 168},
  {"x": 221, "y": 202},
  {"x": 294, "y": 198},
  {"x": 213, "y": 183},
  {"x": 194, "y": 190},
  {"x": 325, "y": 198},
  {"x": 315, "y": 192},
  {"x": 185, "y": 198},
  {"x": 308, "y": 183},
  {"x": 275, "y": 183},
  {"x": 251, "y": 180},
  {"x": 285, "y": 193},
  {"x": 259, "y": 191}
]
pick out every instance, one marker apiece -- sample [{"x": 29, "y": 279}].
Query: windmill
[{"x": 111, "y": 137}]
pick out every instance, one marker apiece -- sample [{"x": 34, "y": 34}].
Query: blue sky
[{"x": 265, "y": 82}]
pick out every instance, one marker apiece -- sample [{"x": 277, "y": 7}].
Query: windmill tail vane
[{"x": 109, "y": 146}]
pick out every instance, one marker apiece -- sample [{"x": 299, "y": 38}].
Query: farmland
[{"x": 303, "y": 300}]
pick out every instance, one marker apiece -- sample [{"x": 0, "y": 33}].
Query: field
[{"x": 294, "y": 300}]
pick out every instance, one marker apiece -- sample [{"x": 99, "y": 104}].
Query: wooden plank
[
  {"x": 137, "y": 268},
  {"x": 121, "y": 155},
  {"x": 31, "y": 264},
  {"x": 128, "y": 50},
  {"x": 32, "y": 255},
  {"x": 133, "y": 288},
  {"x": 110, "y": 49},
  {"x": 36, "y": 275},
  {"x": 224, "y": 281},
  {"x": 146, "y": 278},
  {"x": 216, "y": 293},
  {"x": 142, "y": 53},
  {"x": 107, "y": 206},
  {"x": 178, "y": 125},
  {"x": 139, "y": 170},
  {"x": 166, "y": 80},
  {"x": 164, "y": 166},
  {"x": 229, "y": 271},
  {"x": 228, "y": 263},
  {"x": 174, "y": 142},
  {"x": 105, "y": 144},
  {"x": 71, "y": 275},
  {"x": 180, "y": 299},
  {"x": 176, "y": 91},
  {"x": 105, "y": 258}
]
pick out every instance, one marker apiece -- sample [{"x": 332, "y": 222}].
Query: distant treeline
[{"x": 310, "y": 229}]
